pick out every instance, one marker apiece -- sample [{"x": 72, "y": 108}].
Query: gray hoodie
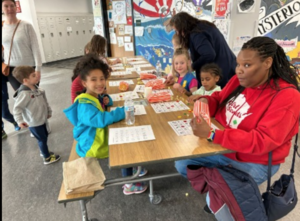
[{"x": 31, "y": 106}]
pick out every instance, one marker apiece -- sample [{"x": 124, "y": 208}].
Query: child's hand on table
[
  {"x": 118, "y": 60},
  {"x": 169, "y": 81}
]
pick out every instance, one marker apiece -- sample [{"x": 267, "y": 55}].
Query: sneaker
[
  {"x": 52, "y": 159},
  {"x": 31, "y": 135},
  {"x": 207, "y": 209},
  {"x": 4, "y": 135},
  {"x": 142, "y": 173},
  {"x": 135, "y": 188},
  {"x": 51, "y": 153},
  {"x": 17, "y": 128}
]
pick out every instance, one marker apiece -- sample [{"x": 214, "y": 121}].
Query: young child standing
[
  {"x": 32, "y": 109},
  {"x": 186, "y": 82}
]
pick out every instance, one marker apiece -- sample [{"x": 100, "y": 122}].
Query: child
[
  {"x": 176, "y": 41},
  {"x": 32, "y": 109},
  {"x": 88, "y": 116},
  {"x": 78, "y": 88},
  {"x": 97, "y": 45},
  {"x": 176, "y": 44},
  {"x": 186, "y": 82},
  {"x": 210, "y": 75}
]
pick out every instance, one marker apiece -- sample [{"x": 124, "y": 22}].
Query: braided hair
[
  {"x": 281, "y": 67},
  {"x": 186, "y": 24}
]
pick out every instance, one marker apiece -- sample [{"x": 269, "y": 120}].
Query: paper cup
[{"x": 147, "y": 92}]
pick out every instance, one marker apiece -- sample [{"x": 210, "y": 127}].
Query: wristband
[{"x": 211, "y": 135}]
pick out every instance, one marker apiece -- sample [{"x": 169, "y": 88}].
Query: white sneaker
[{"x": 31, "y": 135}]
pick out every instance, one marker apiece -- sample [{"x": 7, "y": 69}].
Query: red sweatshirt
[
  {"x": 76, "y": 87},
  {"x": 256, "y": 122}
]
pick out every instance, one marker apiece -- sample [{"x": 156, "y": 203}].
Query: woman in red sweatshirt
[{"x": 259, "y": 109}]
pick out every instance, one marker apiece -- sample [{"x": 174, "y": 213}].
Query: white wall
[
  {"x": 243, "y": 24},
  {"x": 63, "y": 6}
]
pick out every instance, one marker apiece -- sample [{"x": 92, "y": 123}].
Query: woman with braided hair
[{"x": 259, "y": 109}]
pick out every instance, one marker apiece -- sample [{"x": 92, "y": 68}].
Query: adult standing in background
[
  {"x": 206, "y": 44},
  {"x": 25, "y": 49}
]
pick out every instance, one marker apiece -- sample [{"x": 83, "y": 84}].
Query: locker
[
  {"x": 62, "y": 37},
  {"x": 90, "y": 26},
  {"x": 43, "y": 26},
  {"x": 78, "y": 36},
  {"x": 85, "y": 30},
  {"x": 69, "y": 25},
  {"x": 54, "y": 38}
]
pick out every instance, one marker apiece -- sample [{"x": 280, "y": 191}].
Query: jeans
[
  {"x": 258, "y": 172},
  {"x": 41, "y": 134},
  {"x": 5, "y": 109},
  {"x": 126, "y": 172},
  {"x": 6, "y": 113}
]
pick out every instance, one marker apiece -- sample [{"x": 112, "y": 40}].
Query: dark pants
[
  {"x": 127, "y": 172},
  {"x": 5, "y": 109},
  {"x": 13, "y": 82},
  {"x": 6, "y": 113},
  {"x": 41, "y": 134}
]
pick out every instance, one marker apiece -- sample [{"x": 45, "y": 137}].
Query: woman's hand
[{"x": 200, "y": 127}]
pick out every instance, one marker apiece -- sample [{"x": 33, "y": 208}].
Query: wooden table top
[
  {"x": 133, "y": 74},
  {"x": 115, "y": 89},
  {"x": 167, "y": 146}
]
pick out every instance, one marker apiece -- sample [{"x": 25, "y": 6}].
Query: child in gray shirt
[{"x": 32, "y": 110}]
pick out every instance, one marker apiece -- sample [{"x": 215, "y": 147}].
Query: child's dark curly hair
[
  {"x": 213, "y": 69},
  {"x": 90, "y": 62}
]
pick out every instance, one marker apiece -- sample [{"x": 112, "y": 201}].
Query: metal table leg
[
  {"x": 154, "y": 198},
  {"x": 84, "y": 211}
]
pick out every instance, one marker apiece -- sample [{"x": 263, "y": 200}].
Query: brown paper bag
[{"x": 82, "y": 175}]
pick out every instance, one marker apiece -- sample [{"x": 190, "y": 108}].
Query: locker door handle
[
  {"x": 51, "y": 34},
  {"x": 60, "y": 34},
  {"x": 68, "y": 33},
  {"x": 83, "y": 32},
  {"x": 76, "y": 32},
  {"x": 43, "y": 35}
]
